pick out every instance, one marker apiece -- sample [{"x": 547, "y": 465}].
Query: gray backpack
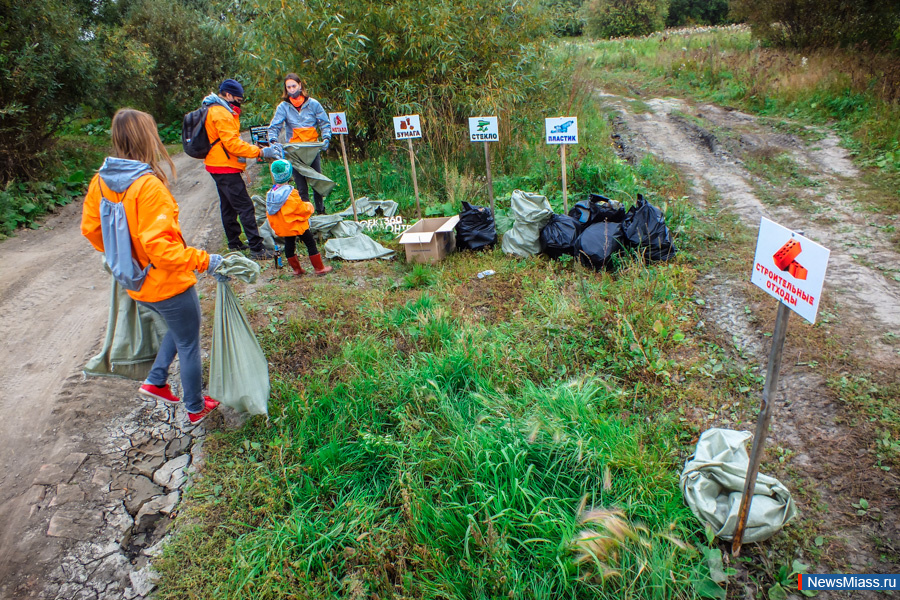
[{"x": 117, "y": 245}]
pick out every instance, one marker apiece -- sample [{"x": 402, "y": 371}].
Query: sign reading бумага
[
  {"x": 790, "y": 267},
  {"x": 407, "y": 127},
  {"x": 338, "y": 122},
  {"x": 561, "y": 130},
  {"x": 484, "y": 129}
]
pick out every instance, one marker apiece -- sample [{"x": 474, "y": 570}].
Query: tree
[
  {"x": 820, "y": 23},
  {"x": 47, "y": 68},
  {"x": 613, "y": 18},
  {"x": 697, "y": 12}
]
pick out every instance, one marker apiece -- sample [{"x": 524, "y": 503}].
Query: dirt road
[
  {"x": 829, "y": 449},
  {"x": 54, "y": 298}
]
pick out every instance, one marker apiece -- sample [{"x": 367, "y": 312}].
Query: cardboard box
[{"x": 430, "y": 240}]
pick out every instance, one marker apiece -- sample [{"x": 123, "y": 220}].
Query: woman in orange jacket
[
  {"x": 129, "y": 214},
  {"x": 289, "y": 214}
]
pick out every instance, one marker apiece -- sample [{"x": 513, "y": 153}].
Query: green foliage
[
  {"x": 566, "y": 16},
  {"x": 614, "y": 18},
  {"x": 697, "y": 12},
  {"x": 190, "y": 54},
  {"x": 445, "y": 61},
  {"x": 822, "y": 23},
  {"x": 21, "y": 203},
  {"x": 47, "y": 68}
]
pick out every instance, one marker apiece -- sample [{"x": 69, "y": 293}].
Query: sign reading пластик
[
  {"x": 484, "y": 129},
  {"x": 407, "y": 126},
  {"x": 562, "y": 130}
]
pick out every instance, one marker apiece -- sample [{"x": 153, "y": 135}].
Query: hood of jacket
[
  {"x": 216, "y": 99},
  {"x": 276, "y": 197},
  {"x": 119, "y": 173}
]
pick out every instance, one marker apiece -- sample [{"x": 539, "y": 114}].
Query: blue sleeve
[
  {"x": 324, "y": 123},
  {"x": 277, "y": 123}
]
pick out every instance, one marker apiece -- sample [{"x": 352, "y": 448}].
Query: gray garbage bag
[
  {"x": 322, "y": 224},
  {"x": 532, "y": 212},
  {"x": 301, "y": 155},
  {"x": 372, "y": 208},
  {"x": 346, "y": 229},
  {"x": 356, "y": 247},
  {"x": 713, "y": 482},
  {"x": 235, "y": 264},
  {"x": 270, "y": 240},
  {"x": 238, "y": 370},
  {"x": 133, "y": 335}
]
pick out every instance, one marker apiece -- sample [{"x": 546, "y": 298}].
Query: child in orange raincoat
[{"x": 289, "y": 214}]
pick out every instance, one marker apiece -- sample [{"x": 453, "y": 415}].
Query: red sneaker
[
  {"x": 209, "y": 405},
  {"x": 163, "y": 393}
]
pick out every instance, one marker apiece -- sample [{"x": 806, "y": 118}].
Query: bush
[
  {"x": 822, "y": 23},
  {"x": 697, "y": 12},
  {"x": 191, "y": 54},
  {"x": 614, "y": 18},
  {"x": 566, "y": 18},
  {"x": 47, "y": 68},
  {"x": 445, "y": 61}
]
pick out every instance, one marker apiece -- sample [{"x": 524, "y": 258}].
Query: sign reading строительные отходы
[{"x": 790, "y": 267}]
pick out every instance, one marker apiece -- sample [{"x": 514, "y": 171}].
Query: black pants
[
  {"x": 290, "y": 244},
  {"x": 234, "y": 202},
  {"x": 303, "y": 188}
]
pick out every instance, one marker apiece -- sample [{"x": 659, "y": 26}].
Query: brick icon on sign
[{"x": 784, "y": 259}]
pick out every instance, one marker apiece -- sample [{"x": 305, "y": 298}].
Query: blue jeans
[{"x": 182, "y": 314}]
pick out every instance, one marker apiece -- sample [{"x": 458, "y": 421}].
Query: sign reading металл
[
  {"x": 484, "y": 129},
  {"x": 790, "y": 267},
  {"x": 338, "y": 121},
  {"x": 561, "y": 130},
  {"x": 407, "y": 127}
]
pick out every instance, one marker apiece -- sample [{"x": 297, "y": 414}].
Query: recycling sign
[
  {"x": 484, "y": 129},
  {"x": 407, "y": 127},
  {"x": 561, "y": 130}
]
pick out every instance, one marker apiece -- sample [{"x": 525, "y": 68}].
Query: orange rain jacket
[
  {"x": 156, "y": 238},
  {"x": 287, "y": 212},
  {"x": 224, "y": 124}
]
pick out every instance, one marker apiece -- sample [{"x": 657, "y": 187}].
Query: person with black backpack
[
  {"x": 302, "y": 118},
  {"x": 225, "y": 155}
]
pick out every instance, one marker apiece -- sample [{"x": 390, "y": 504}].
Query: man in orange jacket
[{"x": 226, "y": 160}]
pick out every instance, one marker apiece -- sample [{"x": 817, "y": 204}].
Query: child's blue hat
[{"x": 281, "y": 171}]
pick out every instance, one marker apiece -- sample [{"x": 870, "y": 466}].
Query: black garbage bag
[
  {"x": 559, "y": 235},
  {"x": 645, "y": 229},
  {"x": 597, "y": 245},
  {"x": 476, "y": 228},
  {"x": 598, "y": 209}
]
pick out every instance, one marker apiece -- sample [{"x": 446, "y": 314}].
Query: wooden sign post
[
  {"x": 562, "y": 131},
  {"x": 790, "y": 268},
  {"x": 485, "y": 129},
  {"x": 408, "y": 127},
  {"x": 339, "y": 127}
]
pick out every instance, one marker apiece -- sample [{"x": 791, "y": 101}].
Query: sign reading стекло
[
  {"x": 407, "y": 127},
  {"x": 790, "y": 268},
  {"x": 561, "y": 130},
  {"x": 338, "y": 122},
  {"x": 484, "y": 129}
]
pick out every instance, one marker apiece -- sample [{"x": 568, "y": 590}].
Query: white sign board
[
  {"x": 790, "y": 268},
  {"x": 407, "y": 126},
  {"x": 484, "y": 129},
  {"x": 562, "y": 130},
  {"x": 338, "y": 123}
]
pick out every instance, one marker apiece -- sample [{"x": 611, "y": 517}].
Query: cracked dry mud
[{"x": 827, "y": 454}]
